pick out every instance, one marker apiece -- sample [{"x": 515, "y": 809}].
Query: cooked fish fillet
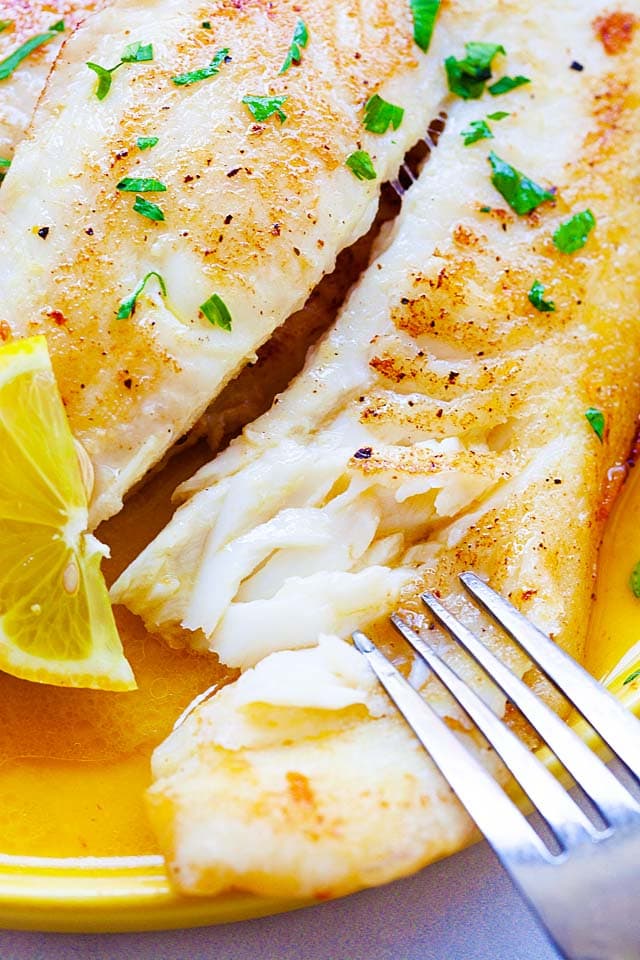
[
  {"x": 255, "y": 212},
  {"x": 440, "y": 426},
  {"x": 19, "y": 93},
  {"x": 299, "y": 780}
]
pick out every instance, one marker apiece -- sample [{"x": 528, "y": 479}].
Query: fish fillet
[
  {"x": 19, "y": 93},
  {"x": 255, "y": 212},
  {"x": 440, "y": 426}
]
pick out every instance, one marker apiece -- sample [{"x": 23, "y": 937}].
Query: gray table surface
[{"x": 463, "y": 908}]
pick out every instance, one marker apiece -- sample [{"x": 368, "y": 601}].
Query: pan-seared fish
[
  {"x": 463, "y": 413},
  {"x": 441, "y": 424},
  {"x": 19, "y": 92},
  {"x": 256, "y": 205}
]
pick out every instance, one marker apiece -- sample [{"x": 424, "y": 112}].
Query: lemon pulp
[{"x": 56, "y": 624}]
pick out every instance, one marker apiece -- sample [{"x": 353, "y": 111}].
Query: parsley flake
[
  {"x": 261, "y": 108},
  {"x": 424, "y": 18},
  {"x": 140, "y": 185},
  {"x": 13, "y": 61},
  {"x": 145, "y": 143},
  {"x": 572, "y": 235},
  {"x": 133, "y": 53},
  {"x": 148, "y": 209},
  {"x": 536, "y": 298},
  {"x": 4, "y": 166},
  {"x": 522, "y": 194},
  {"x": 632, "y": 676},
  {"x": 299, "y": 42},
  {"x": 216, "y": 312},
  {"x": 206, "y": 24},
  {"x": 467, "y": 77},
  {"x": 505, "y": 84},
  {"x": 5, "y": 24},
  {"x": 361, "y": 165},
  {"x": 379, "y": 115},
  {"x": 186, "y": 79},
  {"x": 477, "y": 130},
  {"x": 498, "y": 115},
  {"x": 128, "y": 305},
  {"x": 634, "y": 583},
  {"x": 596, "y": 419}
]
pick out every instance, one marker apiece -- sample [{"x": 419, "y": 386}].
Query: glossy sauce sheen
[{"x": 75, "y": 763}]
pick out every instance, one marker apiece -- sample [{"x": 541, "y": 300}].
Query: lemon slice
[{"x": 56, "y": 624}]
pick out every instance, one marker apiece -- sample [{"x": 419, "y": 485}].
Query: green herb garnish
[
  {"x": 264, "y": 107},
  {"x": 145, "y": 143},
  {"x": 128, "y": 305},
  {"x": 4, "y": 166},
  {"x": 498, "y": 115},
  {"x": 505, "y": 84},
  {"x": 361, "y": 165},
  {"x": 522, "y": 194},
  {"x": 477, "y": 130},
  {"x": 299, "y": 42},
  {"x": 10, "y": 63},
  {"x": 148, "y": 209},
  {"x": 632, "y": 676},
  {"x": 467, "y": 77},
  {"x": 206, "y": 24},
  {"x": 424, "y": 19},
  {"x": 5, "y": 24},
  {"x": 133, "y": 53},
  {"x": 573, "y": 234},
  {"x": 596, "y": 419},
  {"x": 536, "y": 297},
  {"x": 216, "y": 312},
  {"x": 379, "y": 115},
  {"x": 140, "y": 185},
  {"x": 634, "y": 583},
  {"x": 186, "y": 79}
]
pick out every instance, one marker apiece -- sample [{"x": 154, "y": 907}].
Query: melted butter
[{"x": 74, "y": 764}]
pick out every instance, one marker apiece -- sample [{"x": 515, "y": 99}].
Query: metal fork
[{"x": 584, "y": 886}]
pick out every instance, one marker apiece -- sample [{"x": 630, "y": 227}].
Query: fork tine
[
  {"x": 512, "y": 838},
  {"x": 610, "y": 797},
  {"x": 617, "y": 727},
  {"x": 566, "y": 819}
]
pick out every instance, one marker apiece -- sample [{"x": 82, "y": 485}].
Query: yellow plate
[{"x": 79, "y": 855}]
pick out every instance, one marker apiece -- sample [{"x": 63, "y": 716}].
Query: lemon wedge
[{"x": 56, "y": 624}]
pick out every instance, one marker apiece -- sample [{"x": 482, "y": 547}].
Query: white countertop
[{"x": 463, "y": 908}]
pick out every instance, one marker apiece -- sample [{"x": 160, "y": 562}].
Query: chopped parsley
[
  {"x": 573, "y": 234},
  {"x": 522, "y": 194},
  {"x": 140, "y": 185},
  {"x": 536, "y": 298},
  {"x": 634, "y": 583},
  {"x": 10, "y": 63},
  {"x": 361, "y": 165},
  {"x": 379, "y": 115},
  {"x": 145, "y": 143},
  {"x": 128, "y": 305},
  {"x": 299, "y": 42},
  {"x": 632, "y": 676},
  {"x": 4, "y": 166},
  {"x": 424, "y": 18},
  {"x": 5, "y": 24},
  {"x": 261, "y": 108},
  {"x": 148, "y": 209},
  {"x": 216, "y": 312},
  {"x": 596, "y": 419},
  {"x": 467, "y": 77},
  {"x": 133, "y": 53},
  {"x": 505, "y": 84},
  {"x": 186, "y": 79},
  {"x": 206, "y": 24},
  {"x": 498, "y": 115},
  {"x": 477, "y": 130}
]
